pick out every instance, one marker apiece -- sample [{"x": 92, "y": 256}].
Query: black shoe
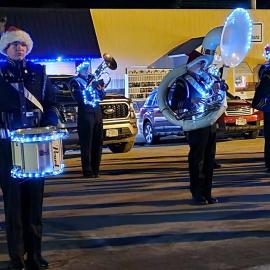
[
  {"x": 212, "y": 200},
  {"x": 216, "y": 165},
  {"x": 198, "y": 200},
  {"x": 32, "y": 265},
  {"x": 91, "y": 175},
  {"x": 16, "y": 266},
  {"x": 43, "y": 263},
  {"x": 87, "y": 174},
  {"x": 37, "y": 263}
]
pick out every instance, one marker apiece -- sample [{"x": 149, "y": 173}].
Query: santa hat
[{"x": 15, "y": 34}]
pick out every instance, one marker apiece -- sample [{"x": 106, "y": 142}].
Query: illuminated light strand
[
  {"x": 213, "y": 70},
  {"x": 209, "y": 85},
  {"x": 33, "y": 138},
  {"x": 266, "y": 53},
  {"x": 92, "y": 92},
  {"x": 18, "y": 173},
  {"x": 59, "y": 59},
  {"x": 202, "y": 105}
]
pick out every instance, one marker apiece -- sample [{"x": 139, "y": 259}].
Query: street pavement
[{"x": 138, "y": 214}]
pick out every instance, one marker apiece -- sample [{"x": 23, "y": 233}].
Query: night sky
[{"x": 135, "y": 4}]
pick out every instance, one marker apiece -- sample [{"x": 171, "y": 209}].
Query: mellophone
[{"x": 37, "y": 152}]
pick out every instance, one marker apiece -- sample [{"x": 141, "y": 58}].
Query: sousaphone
[{"x": 234, "y": 39}]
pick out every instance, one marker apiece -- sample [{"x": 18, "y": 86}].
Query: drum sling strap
[
  {"x": 20, "y": 87},
  {"x": 25, "y": 93}
]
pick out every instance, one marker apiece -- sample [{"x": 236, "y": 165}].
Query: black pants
[
  {"x": 90, "y": 130},
  {"x": 201, "y": 157},
  {"x": 267, "y": 139},
  {"x": 23, "y": 210}
]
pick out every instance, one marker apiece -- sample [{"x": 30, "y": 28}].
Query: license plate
[
  {"x": 111, "y": 132},
  {"x": 241, "y": 121}
]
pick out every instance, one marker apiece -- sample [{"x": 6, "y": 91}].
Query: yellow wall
[
  {"x": 254, "y": 56},
  {"x": 139, "y": 37}
]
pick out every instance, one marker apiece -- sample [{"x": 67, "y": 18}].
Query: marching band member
[
  {"x": 201, "y": 97},
  {"x": 27, "y": 100},
  {"x": 261, "y": 101},
  {"x": 196, "y": 93},
  {"x": 88, "y": 93},
  {"x": 202, "y": 141}
]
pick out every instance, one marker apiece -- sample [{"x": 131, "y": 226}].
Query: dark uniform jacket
[
  {"x": 23, "y": 199},
  {"x": 261, "y": 100},
  {"x": 78, "y": 84},
  {"x": 13, "y": 103}
]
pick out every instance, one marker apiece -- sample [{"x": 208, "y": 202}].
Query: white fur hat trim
[{"x": 14, "y": 34}]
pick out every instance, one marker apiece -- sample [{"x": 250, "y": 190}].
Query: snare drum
[{"x": 37, "y": 152}]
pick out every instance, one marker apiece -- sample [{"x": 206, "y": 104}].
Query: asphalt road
[{"x": 138, "y": 214}]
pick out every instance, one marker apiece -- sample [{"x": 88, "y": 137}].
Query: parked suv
[
  {"x": 152, "y": 123},
  {"x": 119, "y": 119},
  {"x": 239, "y": 118}
]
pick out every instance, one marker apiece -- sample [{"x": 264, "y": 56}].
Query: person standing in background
[
  {"x": 88, "y": 93},
  {"x": 261, "y": 102}
]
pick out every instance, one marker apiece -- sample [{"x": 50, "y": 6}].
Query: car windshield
[
  {"x": 150, "y": 99},
  {"x": 61, "y": 84},
  {"x": 137, "y": 104}
]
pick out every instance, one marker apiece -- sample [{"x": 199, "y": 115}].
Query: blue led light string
[
  {"x": 33, "y": 138},
  {"x": 213, "y": 70},
  {"x": 17, "y": 172},
  {"x": 90, "y": 92},
  {"x": 58, "y": 59},
  {"x": 266, "y": 53},
  {"x": 62, "y": 59}
]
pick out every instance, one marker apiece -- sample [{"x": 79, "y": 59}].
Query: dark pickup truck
[{"x": 119, "y": 119}]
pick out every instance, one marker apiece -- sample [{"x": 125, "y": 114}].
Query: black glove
[{"x": 98, "y": 84}]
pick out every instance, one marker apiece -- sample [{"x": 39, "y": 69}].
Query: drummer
[{"x": 27, "y": 101}]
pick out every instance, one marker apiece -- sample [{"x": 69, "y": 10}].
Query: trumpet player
[{"x": 88, "y": 92}]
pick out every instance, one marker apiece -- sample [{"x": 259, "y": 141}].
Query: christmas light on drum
[{"x": 37, "y": 152}]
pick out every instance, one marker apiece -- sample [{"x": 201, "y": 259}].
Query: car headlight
[
  {"x": 132, "y": 114},
  {"x": 131, "y": 106}
]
